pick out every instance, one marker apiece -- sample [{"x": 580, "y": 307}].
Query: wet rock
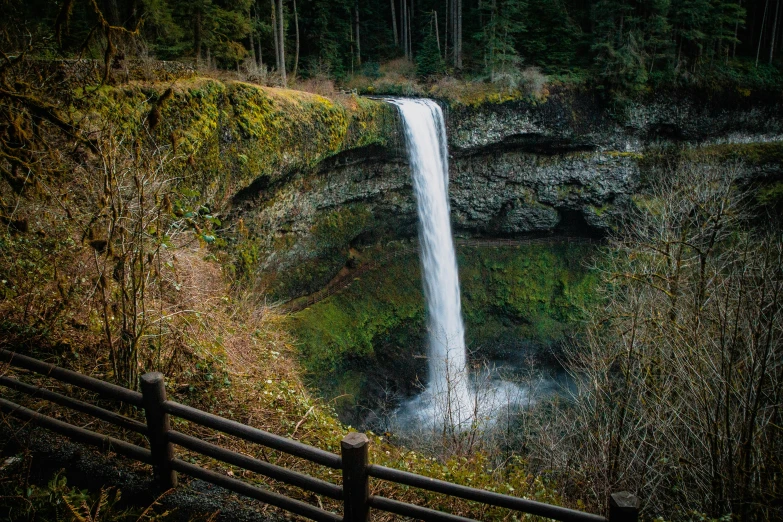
[{"x": 566, "y": 165}]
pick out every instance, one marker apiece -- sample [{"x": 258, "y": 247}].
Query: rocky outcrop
[
  {"x": 573, "y": 120},
  {"x": 564, "y": 165}
]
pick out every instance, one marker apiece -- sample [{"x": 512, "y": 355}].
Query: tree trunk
[
  {"x": 111, "y": 12},
  {"x": 774, "y": 32},
  {"x": 197, "y": 36},
  {"x": 492, "y": 42},
  {"x": 259, "y": 55},
  {"x": 437, "y": 36},
  {"x": 761, "y": 32},
  {"x": 454, "y": 32},
  {"x": 404, "y": 20},
  {"x": 358, "y": 39},
  {"x": 446, "y": 32},
  {"x": 459, "y": 34},
  {"x": 296, "y": 24},
  {"x": 410, "y": 33},
  {"x": 281, "y": 36},
  {"x": 277, "y": 40},
  {"x": 394, "y": 24},
  {"x": 736, "y": 35},
  {"x": 252, "y": 40}
]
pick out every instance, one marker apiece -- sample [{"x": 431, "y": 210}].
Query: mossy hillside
[
  {"x": 752, "y": 154},
  {"x": 760, "y": 154},
  {"x": 348, "y": 324},
  {"x": 327, "y": 247},
  {"x": 228, "y": 135},
  {"x": 532, "y": 293}
]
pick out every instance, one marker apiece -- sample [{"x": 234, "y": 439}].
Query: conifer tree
[
  {"x": 498, "y": 38},
  {"x": 429, "y": 61}
]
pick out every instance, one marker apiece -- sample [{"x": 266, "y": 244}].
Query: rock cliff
[{"x": 564, "y": 164}]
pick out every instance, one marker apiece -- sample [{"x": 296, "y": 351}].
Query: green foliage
[
  {"x": 628, "y": 45},
  {"x": 554, "y": 40},
  {"x": 61, "y": 502},
  {"x": 499, "y": 39},
  {"x": 532, "y": 292},
  {"x": 429, "y": 61},
  {"x": 772, "y": 195},
  {"x": 338, "y": 228},
  {"x": 348, "y": 324}
]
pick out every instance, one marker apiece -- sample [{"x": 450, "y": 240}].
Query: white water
[{"x": 449, "y": 398}]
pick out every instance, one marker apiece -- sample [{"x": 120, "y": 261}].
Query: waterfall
[
  {"x": 448, "y": 393},
  {"x": 452, "y": 400}
]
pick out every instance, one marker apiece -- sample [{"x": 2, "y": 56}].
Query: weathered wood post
[
  {"x": 623, "y": 507},
  {"x": 356, "y": 482},
  {"x": 153, "y": 390}
]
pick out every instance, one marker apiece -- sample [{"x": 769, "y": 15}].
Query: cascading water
[
  {"x": 425, "y": 136},
  {"x": 449, "y": 398}
]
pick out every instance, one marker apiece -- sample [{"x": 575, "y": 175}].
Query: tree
[
  {"x": 281, "y": 40},
  {"x": 457, "y": 33},
  {"x": 498, "y": 39},
  {"x": 113, "y": 207},
  {"x": 357, "y": 33},
  {"x": 394, "y": 23},
  {"x": 429, "y": 61},
  {"x": 681, "y": 376},
  {"x": 554, "y": 39},
  {"x": 296, "y": 26},
  {"x": 774, "y": 32},
  {"x": 629, "y": 38},
  {"x": 215, "y": 29}
]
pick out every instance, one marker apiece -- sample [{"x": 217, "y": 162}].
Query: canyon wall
[{"x": 563, "y": 165}]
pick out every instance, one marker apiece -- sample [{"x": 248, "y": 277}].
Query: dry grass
[
  {"x": 320, "y": 85},
  {"x": 235, "y": 359},
  {"x": 530, "y": 83}
]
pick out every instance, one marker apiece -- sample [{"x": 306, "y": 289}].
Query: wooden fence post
[
  {"x": 356, "y": 482},
  {"x": 623, "y": 507},
  {"x": 153, "y": 390}
]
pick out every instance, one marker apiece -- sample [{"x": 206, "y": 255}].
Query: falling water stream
[{"x": 451, "y": 397}]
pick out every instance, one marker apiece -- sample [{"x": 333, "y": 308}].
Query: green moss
[
  {"x": 751, "y": 153},
  {"x": 348, "y": 324},
  {"x": 307, "y": 277},
  {"x": 771, "y": 195},
  {"x": 754, "y": 154},
  {"x": 337, "y": 228},
  {"x": 534, "y": 292},
  {"x": 226, "y": 135},
  {"x": 619, "y": 154}
]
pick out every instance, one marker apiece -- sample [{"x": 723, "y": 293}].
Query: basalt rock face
[
  {"x": 573, "y": 120},
  {"x": 561, "y": 166},
  {"x": 521, "y": 192}
]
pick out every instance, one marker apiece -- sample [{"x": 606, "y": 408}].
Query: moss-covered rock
[
  {"x": 230, "y": 135},
  {"x": 375, "y": 330}
]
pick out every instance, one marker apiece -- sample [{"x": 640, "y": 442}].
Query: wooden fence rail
[{"x": 354, "y": 491}]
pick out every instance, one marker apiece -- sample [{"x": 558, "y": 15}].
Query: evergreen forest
[{"x": 623, "y": 45}]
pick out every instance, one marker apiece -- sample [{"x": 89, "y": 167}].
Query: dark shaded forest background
[{"x": 625, "y": 45}]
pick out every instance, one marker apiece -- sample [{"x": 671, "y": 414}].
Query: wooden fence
[{"x": 354, "y": 491}]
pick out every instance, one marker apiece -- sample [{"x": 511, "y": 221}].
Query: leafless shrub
[
  {"x": 320, "y": 85},
  {"x": 681, "y": 376},
  {"x": 399, "y": 67},
  {"x": 534, "y": 80}
]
